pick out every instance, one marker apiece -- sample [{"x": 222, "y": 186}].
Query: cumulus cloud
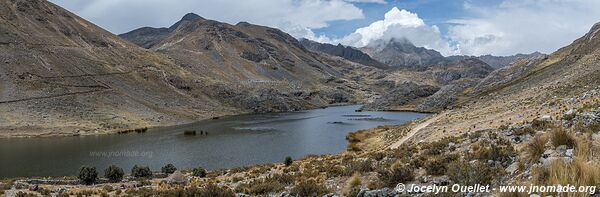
[
  {"x": 523, "y": 26},
  {"x": 294, "y": 16},
  {"x": 400, "y": 24}
]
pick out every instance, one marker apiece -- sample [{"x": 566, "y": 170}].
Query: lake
[{"x": 231, "y": 141}]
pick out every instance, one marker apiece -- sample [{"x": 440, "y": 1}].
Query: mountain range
[{"x": 63, "y": 75}]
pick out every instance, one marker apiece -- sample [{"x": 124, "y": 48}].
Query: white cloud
[
  {"x": 295, "y": 16},
  {"x": 523, "y": 26},
  {"x": 400, "y": 24}
]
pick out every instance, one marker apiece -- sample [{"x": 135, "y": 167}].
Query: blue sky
[
  {"x": 435, "y": 12},
  {"x": 453, "y": 27}
]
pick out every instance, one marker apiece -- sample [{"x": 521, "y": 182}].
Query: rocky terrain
[
  {"x": 401, "y": 53},
  {"x": 431, "y": 88},
  {"x": 345, "y": 52},
  {"x": 535, "y": 122}
]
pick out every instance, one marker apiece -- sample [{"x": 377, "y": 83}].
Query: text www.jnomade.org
[{"x": 121, "y": 154}]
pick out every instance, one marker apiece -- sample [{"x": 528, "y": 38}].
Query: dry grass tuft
[
  {"x": 560, "y": 136},
  {"x": 536, "y": 148}
]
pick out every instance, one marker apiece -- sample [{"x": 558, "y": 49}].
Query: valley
[{"x": 249, "y": 110}]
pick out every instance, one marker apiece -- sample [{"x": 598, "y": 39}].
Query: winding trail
[{"x": 413, "y": 131}]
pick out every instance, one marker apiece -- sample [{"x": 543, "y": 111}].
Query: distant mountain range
[
  {"x": 345, "y": 52},
  {"x": 498, "y": 61},
  {"x": 401, "y": 53}
]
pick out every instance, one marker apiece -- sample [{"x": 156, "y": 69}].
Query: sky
[{"x": 452, "y": 27}]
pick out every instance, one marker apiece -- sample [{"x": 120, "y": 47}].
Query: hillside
[{"x": 61, "y": 75}]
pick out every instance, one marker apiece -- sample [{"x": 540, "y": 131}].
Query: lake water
[{"x": 231, "y": 141}]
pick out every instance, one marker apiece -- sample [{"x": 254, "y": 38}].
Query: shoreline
[{"x": 18, "y": 135}]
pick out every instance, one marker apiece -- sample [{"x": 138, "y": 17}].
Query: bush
[
  {"x": 262, "y": 187},
  {"x": 358, "y": 166},
  {"x": 288, "y": 161},
  {"x": 470, "y": 173},
  {"x": 309, "y": 188},
  {"x": 88, "y": 175},
  {"x": 114, "y": 173},
  {"x": 397, "y": 174},
  {"x": 437, "y": 165},
  {"x": 561, "y": 137},
  {"x": 501, "y": 153},
  {"x": 141, "y": 171},
  {"x": 199, "y": 172},
  {"x": 211, "y": 190},
  {"x": 168, "y": 169}
]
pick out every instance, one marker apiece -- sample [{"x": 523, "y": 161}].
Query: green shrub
[
  {"x": 199, "y": 172},
  {"x": 141, "y": 171},
  {"x": 88, "y": 175},
  {"x": 114, "y": 173},
  {"x": 288, "y": 161},
  {"x": 309, "y": 188},
  {"x": 397, "y": 174},
  {"x": 168, "y": 169}
]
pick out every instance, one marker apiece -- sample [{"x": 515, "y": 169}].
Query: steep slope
[
  {"x": 433, "y": 89},
  {"x": 345, "y": 52},
  {"x": 255, "y": 67},
  {"x": 61, "y": 75},
  {"x": 147, "y": 37},
  {"x": 566, "y": 79},
  {"x": 401, "y": 53}
]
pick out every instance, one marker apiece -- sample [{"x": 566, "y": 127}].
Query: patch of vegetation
[
  {"x": 114, "y": 173},
  {"x": 88, "y": 175},
  {"x": 500, "y": 151},
  {"x": 353, "y": 184},
  {"x": 272, "y": 184},
  {"x": 541, "y": 124},
  {"x": 560, "y": 136},
  {"x": 437, "y": 165},
  {"x": 199, "y": 172},
  {"x": 168, "y": 169},
  {"x": 288, "y": 161},
  {"x": 141, "y": 171},
  {"x": 309, "y": 188},
  {"x": 470, "y": 173},
  {"x": 536, "y": 148},
  {"x": 362, "y": 165},
  {"x": 524, "y": 131},
  {"x": 210, "y": 190},
  {"x": 397, "y": 174},
  {"x": 590, "y": 128}
]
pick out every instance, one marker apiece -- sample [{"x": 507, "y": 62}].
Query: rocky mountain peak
[
  {"x": 186, "y": 18},
  {"x": 402, "y": 53}
]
